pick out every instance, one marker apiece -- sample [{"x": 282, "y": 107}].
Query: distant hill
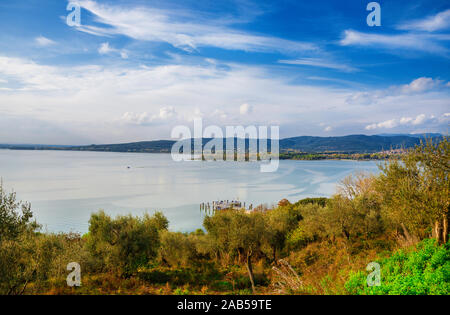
[
  {"x": 350, "y": 144},
  {"x": 415, "y": 135},
  {"x": 345, "y": 144},
  {"x": 158, "y": 146}
]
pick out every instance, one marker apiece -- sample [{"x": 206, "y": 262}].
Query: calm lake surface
[{"x": 65, "y": 187}]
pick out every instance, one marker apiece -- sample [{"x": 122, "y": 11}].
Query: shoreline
[{"x": 314, "y": 156}]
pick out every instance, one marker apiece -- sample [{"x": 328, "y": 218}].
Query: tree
[
  {"x": 178, "y": 249},
  {"x": 160, "y": 221},
  {"x": 19, "y": 246},
  {"x": 15, "y": 217},
  {"x": 125, "y": 243},
  {"x": 235, "y": 231},
  {"x": 354, "y": 212},
  {"x": 434, "y": 162},
  {"x": 415, "y": 190},
  {"x": 279, "y": 223}
]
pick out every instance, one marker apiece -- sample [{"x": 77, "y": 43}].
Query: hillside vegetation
[{"x": 398, "y": 219}]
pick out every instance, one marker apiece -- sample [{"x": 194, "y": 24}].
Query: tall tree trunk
[
  {"x": 408, "y": 237},
  {"x": 445, "y": 228},
  {"x": 250, "y": 272},
  {"x": 438, "y": 232}
]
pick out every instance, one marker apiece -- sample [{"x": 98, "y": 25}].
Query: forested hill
[
  {"x": 345, "y": 144},
  {"x": 353, "y": 143}
]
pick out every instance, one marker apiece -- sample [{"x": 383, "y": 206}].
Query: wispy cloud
[
  {"x": 321, "y": 63},
  {"x": 430, "y": 43},
  {"x": 417, "y": 86},
  {"x": 440, "y": 21},
  {"x": 180, "y": 29},
  {"x": 44, "y": 41}
]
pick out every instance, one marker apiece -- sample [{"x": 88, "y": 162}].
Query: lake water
[{"x": 65, "y": 187}]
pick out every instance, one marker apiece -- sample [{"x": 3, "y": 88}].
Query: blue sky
[{"x": 135, "y": 69}]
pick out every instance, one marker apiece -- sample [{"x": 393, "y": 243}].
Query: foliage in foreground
[{"x": 423, "y": 271}]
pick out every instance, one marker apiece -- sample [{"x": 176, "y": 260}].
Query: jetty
[{"x": 225, "y": 205}]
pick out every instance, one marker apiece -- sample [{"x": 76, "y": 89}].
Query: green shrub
[
  {"x": 424, "y": 271},
  {"x": 126, "y": 243}
]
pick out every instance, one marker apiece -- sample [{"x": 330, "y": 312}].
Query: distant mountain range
[
  {"x": 350, "y": 144},
  {"x": 415, "y": 135},
  {"x": 344, "y": 144}
]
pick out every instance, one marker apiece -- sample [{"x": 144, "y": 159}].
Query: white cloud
[
  {"x": 363, "y": 98},
  {"x": 388, "y": 124},
  {"x": 419, "y": 120},
  {"x": 106, "y": 49},
  {"x": 410, "y": 41},
  {"x": 418, "y": 86},
  {"x": 165, "y": 114},
  {"x": 405, "y": 120},
  {"x": 44, "y": 41},
  {"x": 245, "y": 109},
  {"x": 136, "y": 118},
  {"x": 184, "y": 30},
  {"x": 328, "y": 129},
  {"x": 440, "y": 21},
  {"x": 90, "y": 101},
  {"x": 318, "y": 62}
]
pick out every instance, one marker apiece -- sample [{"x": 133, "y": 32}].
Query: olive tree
[
  {"x": 235, "y": 231},
  {"x": 16, "y": 244},
  {"x": 415, "y": 190},
  {"x": 125, "y": 243}
]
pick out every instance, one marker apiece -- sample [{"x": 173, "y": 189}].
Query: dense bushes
[
  {"x": 425, "y": 270},
  {"x": 184, "y": 250},
  {"x": 126, "y": 243},
  {"x": 28, "y": 257}
]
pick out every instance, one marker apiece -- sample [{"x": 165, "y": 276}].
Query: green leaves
[
  {"x": 422, "y": 271},
  {"x": 126, "y": 243},
  {"x": 15, "y": 217}
]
